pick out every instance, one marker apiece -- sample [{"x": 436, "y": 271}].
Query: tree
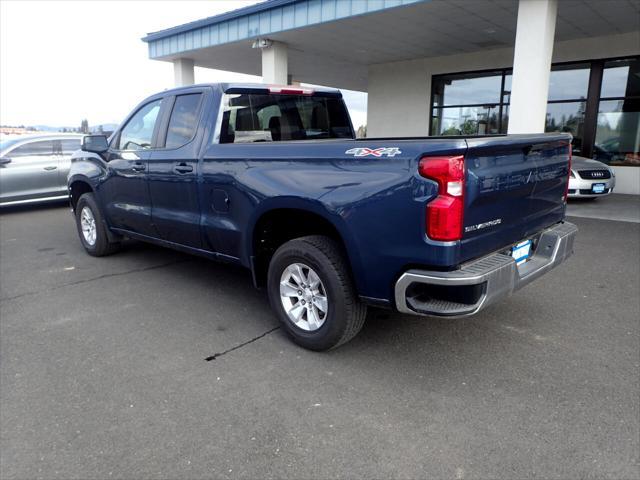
[{"x": 84, "y": 126}]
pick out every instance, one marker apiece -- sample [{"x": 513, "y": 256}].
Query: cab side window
[
  {"x": 33, "y": 149},
  {"x": 138, "y": 132},
  {"x": 184, "y": 120}
]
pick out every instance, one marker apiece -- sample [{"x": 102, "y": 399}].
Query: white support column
[
  {"x": 183, "y": 72},
  {"x": 274, "y": 63},
  {"x": 532, "y": 65}
]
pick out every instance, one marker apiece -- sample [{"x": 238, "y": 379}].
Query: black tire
[
  {"x": 102, "y": 246},
  {"x": 345, "y": 314}
]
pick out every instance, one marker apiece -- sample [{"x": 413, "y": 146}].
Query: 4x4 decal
[{"x": 376, "y": 152}]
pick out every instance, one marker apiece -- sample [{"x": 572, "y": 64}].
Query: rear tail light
[
  {"x": 566, "y": 189},
  {"x": 445, "y": 212}
]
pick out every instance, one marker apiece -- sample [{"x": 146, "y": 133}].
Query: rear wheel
[
  {"x": 311, "y": 291},
  {"x": 92, "y": 229}
]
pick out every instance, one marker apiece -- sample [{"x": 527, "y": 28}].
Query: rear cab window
[{"x": 256, "y": 117}]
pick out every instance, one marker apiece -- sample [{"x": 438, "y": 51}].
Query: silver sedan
[
  {"x": 34, "y": 168},
  {"x": 590, "y": 178}
]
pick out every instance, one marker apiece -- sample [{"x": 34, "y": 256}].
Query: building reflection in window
[{"x": 604, "y": 124}]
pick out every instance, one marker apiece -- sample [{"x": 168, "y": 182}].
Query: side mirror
[
  {"x": 4, "y": 160},
  {"x": 95, "y": 143}
]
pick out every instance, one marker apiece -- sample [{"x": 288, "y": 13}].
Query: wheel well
[
  {"x": 78, "y": 189},
  {"x": 278, "y": 226}
]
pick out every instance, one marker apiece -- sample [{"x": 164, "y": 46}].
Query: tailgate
[{"x": 515, "y": 187}]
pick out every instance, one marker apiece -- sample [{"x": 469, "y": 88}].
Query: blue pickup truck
[{"x": 273, "y": 178}]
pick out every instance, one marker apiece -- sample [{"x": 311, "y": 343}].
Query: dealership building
[{"x": 445, "y": 67}]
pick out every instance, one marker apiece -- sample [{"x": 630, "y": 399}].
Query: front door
[
  {"x": 125, "y": 192},
  {"x": 173, "y": 171}
]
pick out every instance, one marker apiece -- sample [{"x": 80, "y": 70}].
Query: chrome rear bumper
[{"x": 481, "y": 282}]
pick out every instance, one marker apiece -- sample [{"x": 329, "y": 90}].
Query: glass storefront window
[
  {"x": 621, "y": 78},
  {"x": 466, "y": 104},
  {"x": 617, "y": 139},
  {"x": 605, "y": 126},
  {"x": 618, "y": 132},
  {"x": 467, "y": 89},
  {"x": 465, "y": 120},
  {"x": 569, "y": 82},
  {"x": 567, "y": 117},
  {"x": 568, "y": 90},
  {"x": 565, "y": 83}
]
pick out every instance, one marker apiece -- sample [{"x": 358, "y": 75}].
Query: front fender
[{"x": 88, "y": 167}]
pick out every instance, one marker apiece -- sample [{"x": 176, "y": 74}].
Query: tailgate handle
[{"x": 533, "y": 149}]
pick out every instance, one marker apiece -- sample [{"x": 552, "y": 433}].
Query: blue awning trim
[{"x": 259, "y": 20}]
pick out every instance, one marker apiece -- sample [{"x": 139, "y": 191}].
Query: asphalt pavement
[
  {"x": 154, "y": 364},
  {"x": 620, "y": 207}
]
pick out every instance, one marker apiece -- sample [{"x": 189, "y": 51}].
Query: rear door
[
  {"x": 173, "y": 170},
  {"x": 515, "y": 188},
  {"x": 29, "y": 171}
]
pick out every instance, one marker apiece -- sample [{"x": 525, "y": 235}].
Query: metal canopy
[{"x": 333, "y": 42}]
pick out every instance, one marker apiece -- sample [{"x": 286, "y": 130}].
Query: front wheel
[
  {"x": 311, "y": 291},
  {"x": 92, "y": 229}
]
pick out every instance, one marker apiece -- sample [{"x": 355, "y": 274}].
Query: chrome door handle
[
  {"x": 50, "y": 168},
  {"x": 183, "y": 168},
  {"x": 138, "y": 167}
]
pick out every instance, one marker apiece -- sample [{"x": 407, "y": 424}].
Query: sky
[{"x": 63, "y": 61}]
